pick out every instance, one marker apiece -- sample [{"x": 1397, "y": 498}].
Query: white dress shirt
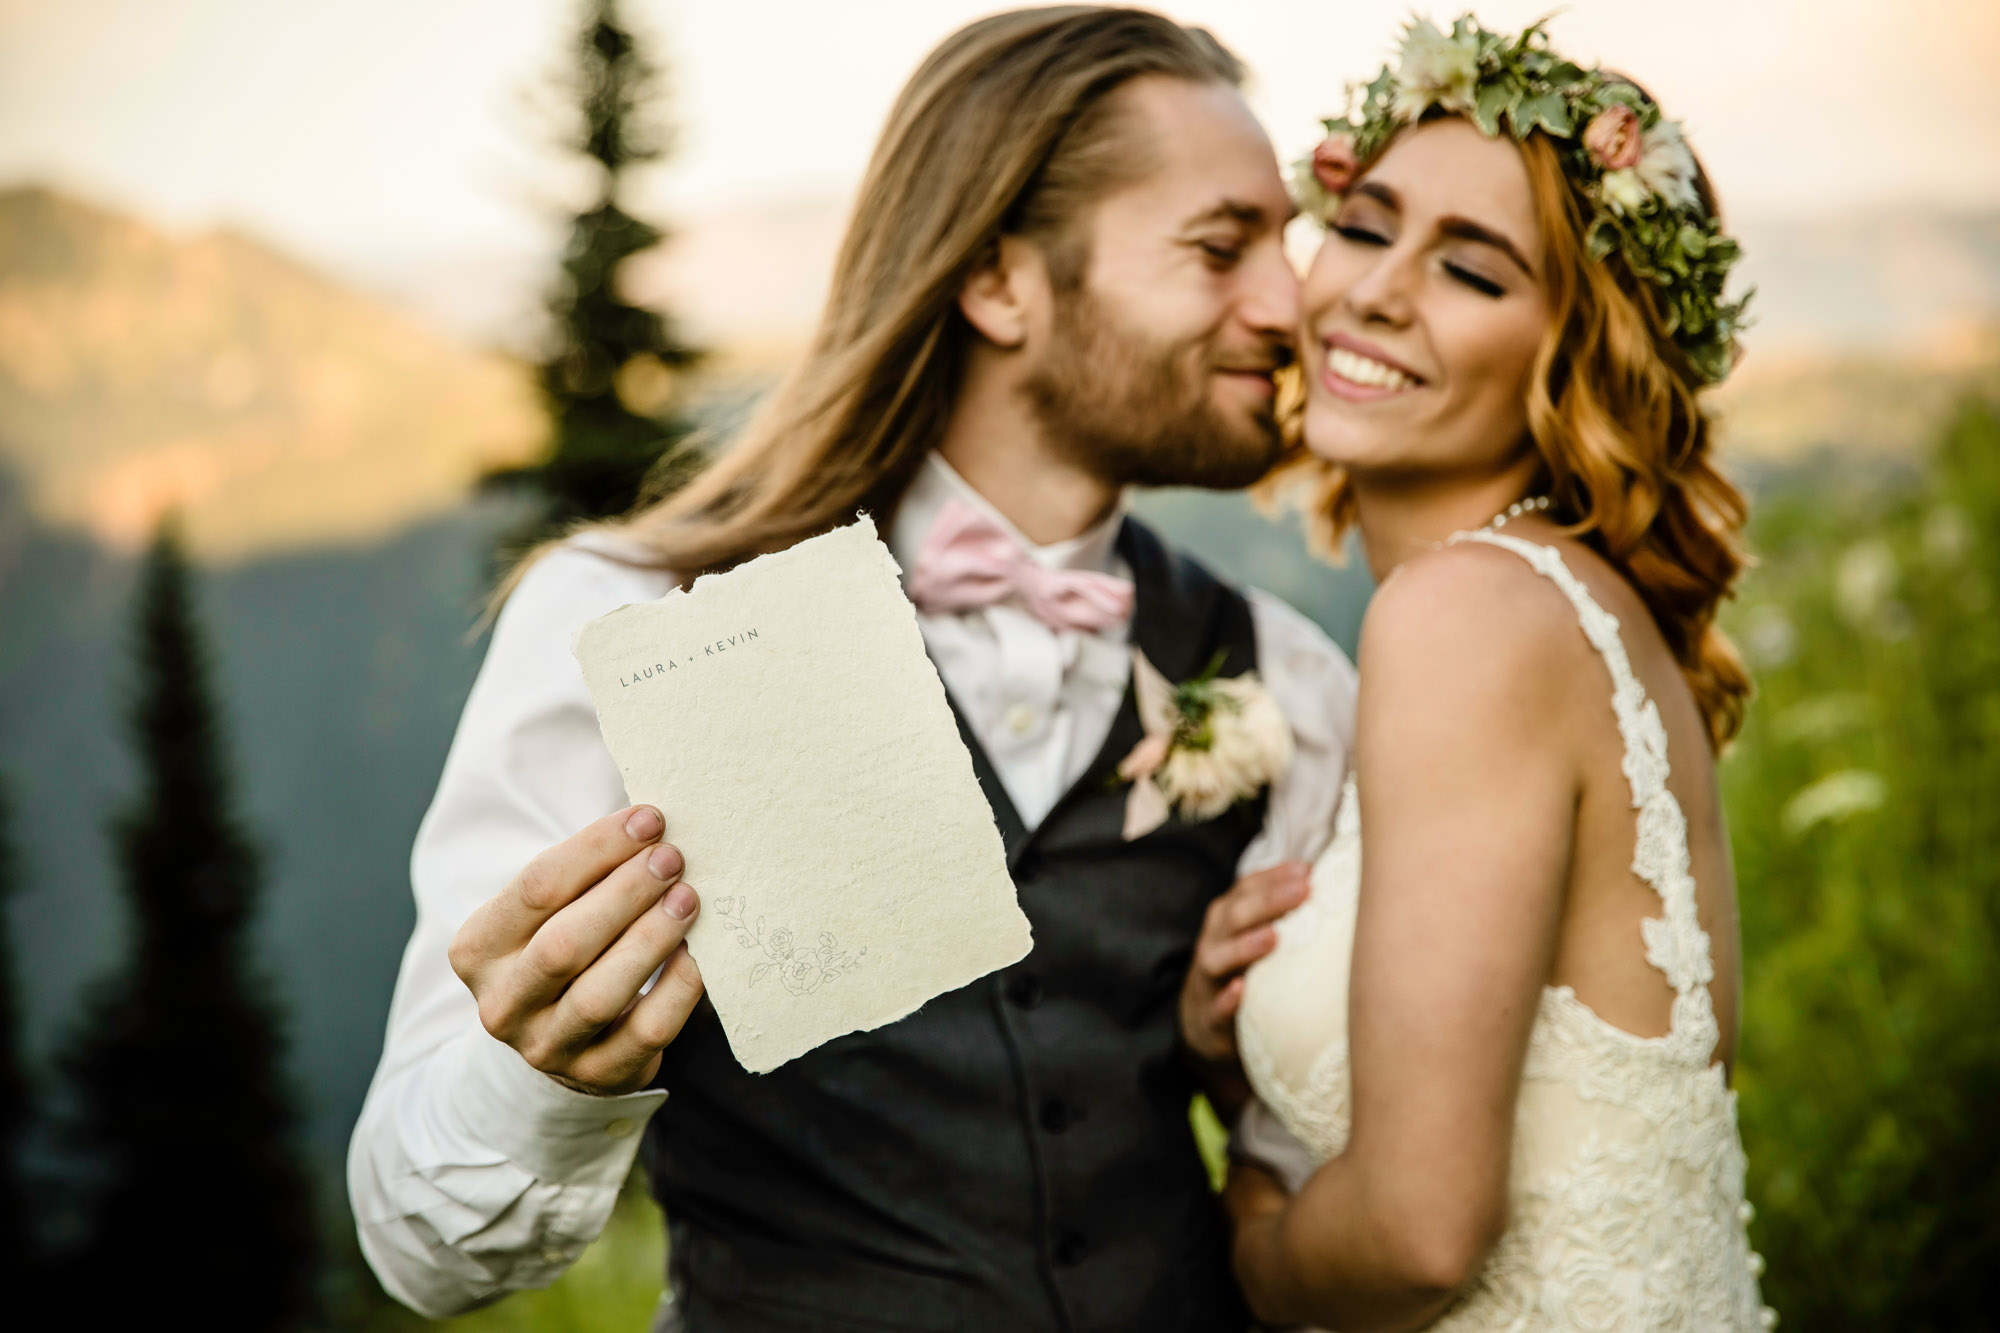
[{"x": 471, "y": 1174}]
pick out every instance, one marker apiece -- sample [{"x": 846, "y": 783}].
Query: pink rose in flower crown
[
  {"x": 1612, "y": 137},
  {"x": 1334, "y": 164}
]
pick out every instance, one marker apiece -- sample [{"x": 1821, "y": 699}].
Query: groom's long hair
[{"x": 1007, "y": 128}]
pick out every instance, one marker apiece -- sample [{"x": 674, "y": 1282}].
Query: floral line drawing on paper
[{"x": 801, "y": 969}]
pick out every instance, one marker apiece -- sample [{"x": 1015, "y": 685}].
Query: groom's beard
[{"x": 1139, "y": 412}]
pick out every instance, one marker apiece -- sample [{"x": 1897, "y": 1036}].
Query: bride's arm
[{"x": 1468, "y": 788}]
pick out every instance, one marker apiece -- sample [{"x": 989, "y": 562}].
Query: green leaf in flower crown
[
  {"x": 1495, "y": 100},
  {"x": 1563, "y": 74},
  {"x": 1548, "y": 111},
  {"x": 1692, "y": 240},
  {"x": 1599, "y": 241}
]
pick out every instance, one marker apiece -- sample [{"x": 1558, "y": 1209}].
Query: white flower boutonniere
[{"x": 1210, "y": 742}]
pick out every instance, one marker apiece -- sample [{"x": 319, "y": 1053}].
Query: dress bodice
[{"x": 1625, "y": 1194}]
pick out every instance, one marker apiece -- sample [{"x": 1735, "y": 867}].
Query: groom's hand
[
  {"x": 1236, "y": 932},
  {"x": 556, "y": 959}
]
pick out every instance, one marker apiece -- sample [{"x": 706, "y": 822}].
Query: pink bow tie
[{"x": 967, "y": 562}]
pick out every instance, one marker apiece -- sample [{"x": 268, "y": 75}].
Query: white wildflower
[
  {"x": 1947, "y": 535},
  {"x": 1864, "y": 579},
  {"x": 1770, "y": 636},
  {"x": 1822, "y": 717},
  {"x": 1836, "y": 796}
]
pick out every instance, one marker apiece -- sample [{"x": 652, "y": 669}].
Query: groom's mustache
[{"x": 1269, "y": 361}]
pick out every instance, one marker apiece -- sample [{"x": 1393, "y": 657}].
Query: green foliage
[
  {"x": 1864, "y": 800},
  {"x": 610, "y": 379},
  {"x": 182, "y": 1109}
]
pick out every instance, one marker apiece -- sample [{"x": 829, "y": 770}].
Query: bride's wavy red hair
[{"x": 1627, "y": 450}]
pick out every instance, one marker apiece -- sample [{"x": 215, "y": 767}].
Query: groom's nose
[{"x": 1269, "y": 302}]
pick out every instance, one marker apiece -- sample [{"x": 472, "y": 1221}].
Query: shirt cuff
[{"x": 555, "y": 1132}]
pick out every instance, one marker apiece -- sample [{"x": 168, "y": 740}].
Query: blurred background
[{"x": 362, "y": 297}]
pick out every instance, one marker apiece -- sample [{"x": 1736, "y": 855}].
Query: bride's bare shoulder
[{"x": 1472, "y": 613}]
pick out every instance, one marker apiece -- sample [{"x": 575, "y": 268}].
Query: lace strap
[{"x": 1675, "y": 942}]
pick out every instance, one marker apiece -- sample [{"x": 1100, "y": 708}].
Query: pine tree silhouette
[
  {"x": 182, "y": 1108},
  {"x": 609, "y": 380},
  {"x": 18, "y": 1242}
]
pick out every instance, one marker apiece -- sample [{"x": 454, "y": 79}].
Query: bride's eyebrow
[{"x": 1465, "y": 229}]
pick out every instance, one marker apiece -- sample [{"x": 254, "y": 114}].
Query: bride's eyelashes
[{"x": 1485, "y": 286}]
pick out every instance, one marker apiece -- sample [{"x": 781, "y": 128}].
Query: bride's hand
[{"x": 1235, "y": 933}]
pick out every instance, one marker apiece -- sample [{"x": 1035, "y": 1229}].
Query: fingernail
[
  {"x": 680, "y": 901},
  {"x": 645, "y": 824},
  {"x": 664, "y": 861}
]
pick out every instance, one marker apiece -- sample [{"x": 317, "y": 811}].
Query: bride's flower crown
[{"x": 1629, "y": 161}]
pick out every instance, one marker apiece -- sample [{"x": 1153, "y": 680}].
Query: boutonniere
[{"x": 1210, "y": 742}]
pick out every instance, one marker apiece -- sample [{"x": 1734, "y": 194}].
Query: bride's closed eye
[{"x": 1479, "y": 282}]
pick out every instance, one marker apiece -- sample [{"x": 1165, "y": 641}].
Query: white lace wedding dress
[{"x": 1626, "y": 1208}]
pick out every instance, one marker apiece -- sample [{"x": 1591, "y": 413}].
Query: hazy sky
[{"x": 350, "y": 130}]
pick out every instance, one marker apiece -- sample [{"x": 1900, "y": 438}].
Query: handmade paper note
[{"x": 783, "y": 716}]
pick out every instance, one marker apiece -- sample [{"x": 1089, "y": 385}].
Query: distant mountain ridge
[{"x": 274, "y": 406}]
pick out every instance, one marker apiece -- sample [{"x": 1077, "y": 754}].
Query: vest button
[
  {"x": 1057, "y": 1116},
  {"x": 1024, "y": 991},
  {"x": 1069, "y": 1249}
]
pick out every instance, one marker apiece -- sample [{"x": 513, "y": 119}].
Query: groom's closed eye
[{"x": 1221, "y": 252}]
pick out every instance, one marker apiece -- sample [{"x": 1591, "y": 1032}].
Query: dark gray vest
[{"x": 1015, "y": 1155}]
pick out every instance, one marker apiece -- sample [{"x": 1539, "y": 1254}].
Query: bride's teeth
[{"x": 1366, "y": 370}]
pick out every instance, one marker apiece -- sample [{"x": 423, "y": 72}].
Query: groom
[{"x": 1102, "y": 215}]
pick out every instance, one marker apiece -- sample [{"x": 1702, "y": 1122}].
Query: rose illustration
[
  {"x": 779, "y": 944},
  {"x": 802, "y": 974}
]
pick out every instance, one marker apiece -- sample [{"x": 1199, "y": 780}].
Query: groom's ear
[{"x": 1007, "y": 296}]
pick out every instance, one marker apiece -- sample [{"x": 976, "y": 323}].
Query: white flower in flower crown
[
  {"x": 1209, "y": 743},
  {"x": 1434, "y": 68},
  {"x": 1665, "y": 166},
  {"x": 1623, "y": 190}
]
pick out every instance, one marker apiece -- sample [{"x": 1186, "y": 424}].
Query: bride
[{"x": 1503, "y": 1033}]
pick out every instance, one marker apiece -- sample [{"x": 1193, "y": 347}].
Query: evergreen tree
[
  {"x": 182, "y": 1107},
  {"x": 17, "y": 1232},
  {"x": 609, "y": 379}
]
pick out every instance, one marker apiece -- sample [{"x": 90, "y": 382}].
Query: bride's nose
[{"x": 1385, "y": 292}]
